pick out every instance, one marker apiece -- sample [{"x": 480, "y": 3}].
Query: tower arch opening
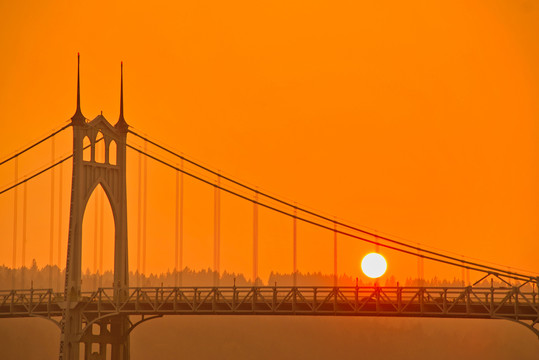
[{"x": 98, "y": 231}]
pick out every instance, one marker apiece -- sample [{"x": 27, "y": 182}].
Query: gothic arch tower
[{"x": 88, "y": 172}]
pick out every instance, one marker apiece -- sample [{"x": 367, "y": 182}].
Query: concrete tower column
[{"x": 87, "y": 175}]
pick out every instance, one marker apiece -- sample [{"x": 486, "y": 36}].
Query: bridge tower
[{"x": 80, "y": 333}]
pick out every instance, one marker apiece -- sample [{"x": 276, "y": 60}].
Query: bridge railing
[{"x": 15, "y": 303}]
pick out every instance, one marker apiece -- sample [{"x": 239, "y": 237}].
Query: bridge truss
[{"x": 150, "y": 302}]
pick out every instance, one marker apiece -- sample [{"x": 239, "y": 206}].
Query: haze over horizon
[{"x": 417, "y": 120}]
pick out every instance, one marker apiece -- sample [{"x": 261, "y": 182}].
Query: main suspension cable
[
  {"x": 42, "y": 171},
  {"x": 309, "y": 212},
  {"x": 36, "y": 174},
  {"x": 469, "y": 265},
  {"x": 35, "y": 144}
]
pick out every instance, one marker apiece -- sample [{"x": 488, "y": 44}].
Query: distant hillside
[{"x": 47, "y": 277}]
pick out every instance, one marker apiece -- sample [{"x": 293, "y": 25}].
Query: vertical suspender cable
[
  {"x": 101, "y": 226},
  {"x": 144, "y": 211},
  {"x": 96, "y": 231},
  {"x": 178, "y": 254},
  {"x": 176, "y": 230},
  {"x": 23, "y": 248},
  {"x": 181, "y": 225},
  {"x": 422, "y": 262},
  {"x": 139, "y": 222},
  {"x": 60, "y": 226},
  {"x": 419, "y": 269},
  {"x": 217, "y": 232},
  {"x": 255, "y": 240},
  {"x": 295, "y": 263},
  {"x": 15, "y": 202},
  {"x": 463, "y": 275},
  {"x": 335, "y": 274},
  {"x": 51, "y": 242}
]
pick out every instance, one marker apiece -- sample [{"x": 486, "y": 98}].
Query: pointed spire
[
  {"x": 78, "y": 118},
  {"x": 122, "y": 91},
  {"x": 121, "y": 124}
]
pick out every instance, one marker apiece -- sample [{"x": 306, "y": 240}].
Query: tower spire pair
[
  {"x": 79, "y": 119},
  {"x": 88, "y": 174}
]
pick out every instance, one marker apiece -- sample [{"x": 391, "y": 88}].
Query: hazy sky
[{"x": 416, "y": 119}]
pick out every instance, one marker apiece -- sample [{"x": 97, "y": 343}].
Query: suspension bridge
[{"x": 96, "y": 324}]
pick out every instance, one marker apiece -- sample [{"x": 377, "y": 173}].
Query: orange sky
[{"x": 417, "y": 119}]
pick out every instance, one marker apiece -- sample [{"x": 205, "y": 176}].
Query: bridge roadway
[{"x": 443, "y": 302}]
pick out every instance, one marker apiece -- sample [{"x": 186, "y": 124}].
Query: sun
[{"x": 374, "y": 265}]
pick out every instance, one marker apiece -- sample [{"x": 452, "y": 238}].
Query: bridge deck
[{"x": 466, "y": 302}]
